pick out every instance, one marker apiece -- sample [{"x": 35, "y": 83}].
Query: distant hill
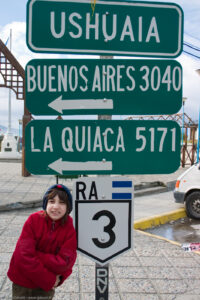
[{"x": 3, "y": 130}]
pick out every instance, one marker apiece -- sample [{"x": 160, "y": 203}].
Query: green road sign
[
  {"x": 105, "y": 27},
  {"x": 103, "y": 86},
  {"x": 102, "y": 147}
]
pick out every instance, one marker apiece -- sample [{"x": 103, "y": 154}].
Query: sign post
[
  {"x": 109, "y": 28},
  {"x": 104, "y": 228},
  {"x": 102, "y": 147},
  {"x": 101, "y": 282},
  {"x": 99, "y": 292},
  {"x": 93, "y": 86},
  {"x": 106, "y": 87},
  {"x": 102, "y": 188}
]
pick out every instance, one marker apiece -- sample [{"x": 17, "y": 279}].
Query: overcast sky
[{"x": 13, "y": 16}]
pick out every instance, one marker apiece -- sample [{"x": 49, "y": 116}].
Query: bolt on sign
[
  {"x": 106, "y": 28},
  {"x": 93, "y": 86},
  {"x": 102, "y": 147}
]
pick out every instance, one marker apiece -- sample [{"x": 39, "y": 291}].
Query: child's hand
[{"x": 57, "y": 281}]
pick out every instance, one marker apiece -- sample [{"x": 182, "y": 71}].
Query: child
[{"x": 46, "y": 250}]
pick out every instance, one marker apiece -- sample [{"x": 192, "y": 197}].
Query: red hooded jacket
[{"x": 45, "y": 249}]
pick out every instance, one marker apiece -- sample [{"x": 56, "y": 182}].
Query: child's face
[{"x": 56, "y": 208}]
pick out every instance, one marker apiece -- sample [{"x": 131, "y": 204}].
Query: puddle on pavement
[{"x": 183, "y": 230}]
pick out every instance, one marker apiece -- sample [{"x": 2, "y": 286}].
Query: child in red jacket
[{"x": 46, "y": 250}]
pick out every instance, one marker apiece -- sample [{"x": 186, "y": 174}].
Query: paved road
[
  {"x": 148, "y": 206},
  {"x": 184, "y": 230}
]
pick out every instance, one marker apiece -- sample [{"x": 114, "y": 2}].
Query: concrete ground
[
  {"x": 154, "y": 269},
  {"x": 15, "y": 189}
]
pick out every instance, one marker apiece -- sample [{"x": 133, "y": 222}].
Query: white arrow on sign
[
  {"x": 59, "y": 165},
  {"x": 59, "y": 105}
]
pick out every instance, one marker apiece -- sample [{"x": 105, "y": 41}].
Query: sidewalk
[
  {"x": 155, "y": 269},
  {"x": 18, "y": 192}
]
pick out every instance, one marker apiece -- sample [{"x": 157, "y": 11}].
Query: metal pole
[
  {"x": 182, "y": 135},
  {"x": 182, "y": 127},
  {"x": 9, "y": 94},
  {"x": 198, "y": 136},
  {"x": 25, "y": 120},
  {"x": 102, "y": 293},
  {"x": 198, "y": 72},
  {"x": 101, "y": 281}
]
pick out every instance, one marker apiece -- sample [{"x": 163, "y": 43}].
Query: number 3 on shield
[{"x": 107, "y": 229}]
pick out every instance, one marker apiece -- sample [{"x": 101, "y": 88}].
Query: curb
[
  {"x": 21, "y": 205},
  {"x": 152, "y": 188},
  {"x": 159, "y": 219},
  {"x": 142, "y": 189}
]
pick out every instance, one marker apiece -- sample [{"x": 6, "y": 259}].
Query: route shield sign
[
  {"x": 102, "y": 147},
  {"x": 105, "y": 27},
  {"x": 103, "y": 86},
  {"x": 103, "y": 228}
]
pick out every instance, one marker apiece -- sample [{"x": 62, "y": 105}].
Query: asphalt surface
[
  {"x": 154, "y": 269},
  {"x": 184, "y": 230}
]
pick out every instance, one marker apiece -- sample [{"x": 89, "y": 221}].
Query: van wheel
[{"x": 192, "y": 205}]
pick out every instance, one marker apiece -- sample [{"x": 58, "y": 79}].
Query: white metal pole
[
  {"x": 182, "y": 126},
  {"x": 9, "y": 95},
  {"x": 198, "y": 136},
  {"x": 183, "y": 121}
]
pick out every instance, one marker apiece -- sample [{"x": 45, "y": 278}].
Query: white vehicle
[{"x": 187, "y": 190}]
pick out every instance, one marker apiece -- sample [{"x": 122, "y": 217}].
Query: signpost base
[
  {"x": 101, "y": 281},
  {"x": 102, "y": 272}
]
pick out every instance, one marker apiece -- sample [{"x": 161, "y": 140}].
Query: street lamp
[
  {"x": 198, "y": 72},
  {"x": 183, "y": 103}
]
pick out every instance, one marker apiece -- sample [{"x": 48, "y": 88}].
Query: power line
[
  {"x": 191, "y": 54},
  {"x": 192, "y": 36},
  {"x": 191, "y": 46}
]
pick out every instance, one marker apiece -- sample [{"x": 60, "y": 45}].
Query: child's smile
[{"x": 56, "y": 208}]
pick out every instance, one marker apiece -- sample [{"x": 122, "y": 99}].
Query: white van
[{"x": 187, "y": 190}]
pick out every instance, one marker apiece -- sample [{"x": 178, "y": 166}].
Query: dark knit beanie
[{"x": 62, "y": 187}]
